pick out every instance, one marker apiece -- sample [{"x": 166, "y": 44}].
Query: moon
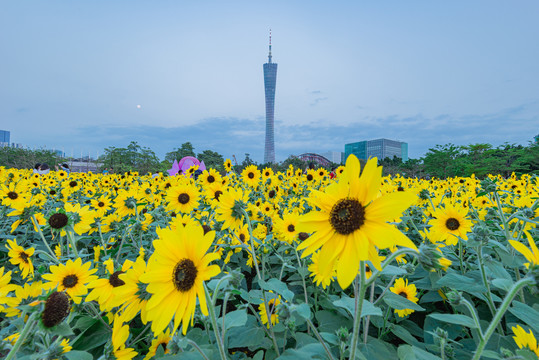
[{"x": 138, "y": 106}]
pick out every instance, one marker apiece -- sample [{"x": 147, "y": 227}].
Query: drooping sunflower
[
  {"x": 176, "y": 273},
  {"x": 126, "y": 202},
  {"x": 5, "y": 289},
  {"x": 182, "y": 198},
  {"x": 449, "y": 224},
  {"x": 531, "y": 254},
  {"x": 21, "y": 257},
  {"x": 524, "y": 339},
  {"x": 72, "y": 277},
  {"x": 319, "y": 277},
  {"x": 251, "y": 175},
  {"x": 120, "y": 334},
  {"x": 353, "y": 221},
  {"x": 409, "y": 292}
]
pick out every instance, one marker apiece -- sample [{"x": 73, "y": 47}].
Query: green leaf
[
  {"x": 504, "y": 284},
  {"x": 278, "y": 287},
  {"x": 349, "y": 304},
  {"x": 248, "y": 335},
  {"x": 329, "y": 321},
  {"x": 62, "y": 329},
  {"x": 78, "y": 355},
  {"x": 235, "y": 318},
  {"x": 311, "y": 351},
  {"x": 404, "y": 335},
  {"x": 400, "y": 303},
  {"x": 408, "y": 352},
  {"x": 526, "y": 313},
  {"x": 391, "y": 270},
  {"x": 303, "y": 311},
  {"x": 462, "y": 283},
  {"x": 455, "y": 319}
]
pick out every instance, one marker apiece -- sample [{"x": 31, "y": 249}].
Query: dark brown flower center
[
  {"x": 52, "y": 192},
  {"x": 309, "y": 177},
  {"x": 346, "y": 216},
  {"x": 271, "y": 194},
  {"x": 183, "y": 198},
  {"x": 206, "y": 229},
  {"x": 242, "y": 237},
  {"x": 23, "y": 256},
  {"x": 73, "y": 183},
  {"x": 114, "y": 280},
  {"x": 70, "y": 281},
  {"x": 400, "y": 188},
  {"x": 211, "y": 179},
  {"x": 101, "y": 204},
  {"x": 403, "y": 294},
  {"x": 217, "y": 194},
  {"x": 56, "y": 309},
  {"x": 58, "y": 220},
  {"x": 12, "y": 195},
  {"x": 250, "y": 175},
  {"x": 291, "y": 228},
  {"x": 452, "y": 224},
  {"x": 184, "y": 275},
  {"x": 303, "y": 236}
]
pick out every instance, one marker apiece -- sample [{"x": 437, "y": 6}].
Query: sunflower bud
[
  {"x": 454, "y": 297},
  {"x": 488, "y": 186},
  {"x": 343, "y": 334},
  {"x": 432, "y": 258}
]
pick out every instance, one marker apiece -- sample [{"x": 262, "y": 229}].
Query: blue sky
[{"x": 424, "y": 72}]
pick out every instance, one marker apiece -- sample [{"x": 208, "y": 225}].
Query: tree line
[{"x": 441, "y": 161}]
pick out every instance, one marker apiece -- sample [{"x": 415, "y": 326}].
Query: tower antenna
[{"x": 269, "y": 55}]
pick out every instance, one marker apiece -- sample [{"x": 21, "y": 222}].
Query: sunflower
[
  {"x": 319, "y": 277},
  {"x": 24, "y": 295},
  {"x": 228, "y": 165},
  {"x": 531, "y": 254},
  {"x": 230, "y": 208},
  {"x": 525, "y": 339},
  {"x": 182, "y": 198},
  {"x": 5, "y": 289},
  {"x": 409, "y": 292},
  {"x": 287, "y": 226},
  {"x": 71, "y": 277},
  {"x": 176, "y": 273},
  {"x": 56, "y": 309},
  {"x": 13, "y": 194},
  {"x": 267, "y": 173},
  {"x": 251, "y": 175},
  {"x": 120, "y": 334},
  {"x": 352, "y": 221},
  {"x": 213, "y": 192},
  {"x": 103, "y": 289},
  {"x": 450, "y": 224},
  {"x": 102, "y": 205},
  {"x": 209, "y": 177},
  {"x": 126, "y": 202},
  {"x": 21, "y": 257},
  {"x": 272, "y": 307},
  {"x": 161, "y": 340},
  {"x": 82, "y": 217},
  {"x": 132, "y": 296}
]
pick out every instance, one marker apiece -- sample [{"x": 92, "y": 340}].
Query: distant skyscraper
[
  {"x": 379, "y": 148},
  {"x": 270, "y": 78}
]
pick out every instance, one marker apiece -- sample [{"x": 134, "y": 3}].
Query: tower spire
[{"x": 269, "y": 55}]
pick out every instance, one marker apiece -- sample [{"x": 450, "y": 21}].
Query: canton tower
[{"x": 270, "y": 78}]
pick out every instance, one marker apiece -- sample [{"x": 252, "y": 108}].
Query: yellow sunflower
[
  {"x": 120, "y": 334},
  {"x": 353, "y": 221},
  {"x": 71, "y": 277},
  {"x": 5, "y": 289},
  {"x": 13, "y": 194},
  {"x": 251, "y": 175},
  {"x": 287, "y": 226},
  {"x": 449, "y": 224},
  {"x": 102, "y": 205},
  {"x": 176, "y": 273},
  {"x": 229, "y": 211},
  {"x": 320, "y": 278},
  {"x": 228, "y": 165},
  {"x": 272, "y": 307},
  {"x": 531, "y": 254},
  {"x": 209, "y": 177},
  {"x": 161, "y": 340},
  {"x": 409, "y": 292},
  {"x": 132, "y": 296},
  {"x": 524, "y": 339},
  {"x": 182, "y": 198},
  {"x": 103, "y": 289},
  {"x": 21, "y": 257}
]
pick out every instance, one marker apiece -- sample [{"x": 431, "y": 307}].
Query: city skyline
[{"x": 93, "y": 75}]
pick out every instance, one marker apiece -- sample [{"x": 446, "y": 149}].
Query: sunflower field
[{"x": 264, "y": 265}]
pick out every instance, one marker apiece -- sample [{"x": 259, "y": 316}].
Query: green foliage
[
  {"x": 186, "y": 149},
  {"x": 132, "y": 158},
  {"x": 26, "y": 158}
]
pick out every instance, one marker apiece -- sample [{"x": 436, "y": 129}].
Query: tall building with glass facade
[
  {"x": 270, "y": 79},
  {"x": 379, "y": 148},
  {"x": 4, "y": 138}
]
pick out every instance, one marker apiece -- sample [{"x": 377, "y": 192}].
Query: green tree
[
  {"x": 186, "y": 149},
  {"x": 212, "y": 159},
  {"x": 25, "y": 158}
]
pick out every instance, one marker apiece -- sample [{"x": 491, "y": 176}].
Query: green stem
[
  {"x": 358, "y": 308},
  {"x": 368, "y": 318},
  {"x": 490, "y": 302},
  {"x": 392, "y": 257},
  {"x": 103, "y": 244},
  {"x": 213, "y": 319},
  {"x": 302, "y": 278},
  {"x": 501, "y": 311},
  {"x": 475, "y": 318},
  {"x": 43, "y": 238},
  {"x": 317, "y": 334},
  {"x": 25, "y": 331},
  {"x": 461, "y": 254},
  {"x": 194, "y": 344},
  {"x": 225, "y": 300},
  {"x": 71, "y": 238}
]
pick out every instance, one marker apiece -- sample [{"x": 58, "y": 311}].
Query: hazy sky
[{"x": 72, "y": 73}]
